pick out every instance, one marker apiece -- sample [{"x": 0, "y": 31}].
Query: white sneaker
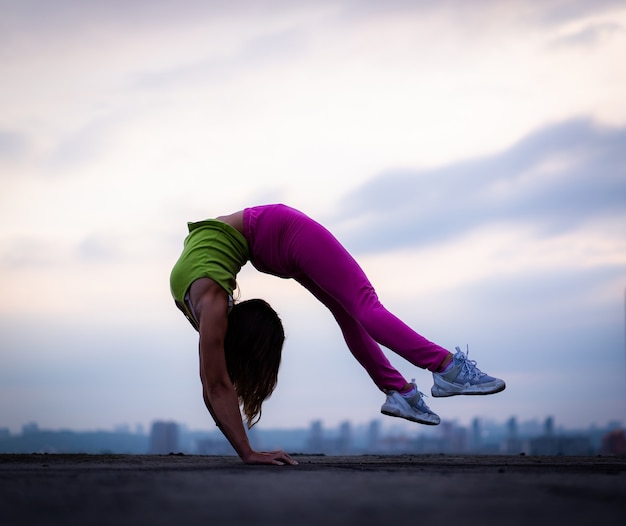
[
  {"x": 464, "y": 378},
  {"x": 413, "y": 408}
]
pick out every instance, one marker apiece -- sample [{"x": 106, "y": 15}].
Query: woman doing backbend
[{"x": 241, "y": 344}]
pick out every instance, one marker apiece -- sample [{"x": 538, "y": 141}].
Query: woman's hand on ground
[{"x": 277, "y": 458}]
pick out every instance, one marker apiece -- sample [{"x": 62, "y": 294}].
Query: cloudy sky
[{"x": 471, "y": 155}]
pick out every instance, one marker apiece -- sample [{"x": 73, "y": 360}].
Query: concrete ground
[{"x": 377, "y": 490}]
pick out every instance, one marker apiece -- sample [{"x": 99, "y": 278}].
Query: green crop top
[{"x": 213, "y": 249}]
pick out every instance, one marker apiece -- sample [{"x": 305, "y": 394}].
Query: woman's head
[{"x": 253, "y": 347}]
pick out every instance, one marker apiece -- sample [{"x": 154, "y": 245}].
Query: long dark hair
[{"x": 253, "y": 347}]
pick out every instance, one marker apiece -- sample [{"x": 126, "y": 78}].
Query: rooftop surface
[{"x": 365, "y": 490}]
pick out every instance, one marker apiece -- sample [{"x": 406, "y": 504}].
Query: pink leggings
[{"x": 287, "y": 243}]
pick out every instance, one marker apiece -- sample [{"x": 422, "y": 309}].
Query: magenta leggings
[{"x": 286, "y": 243}]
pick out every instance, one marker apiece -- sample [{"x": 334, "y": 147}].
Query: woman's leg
[
  {"x": 363, "y": 347},
  {"x": 322, "y": 260}
]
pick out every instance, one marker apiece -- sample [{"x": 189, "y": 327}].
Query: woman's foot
[
  {"x": 462, "y": 377},
  {"x": 411, "y": 407}
]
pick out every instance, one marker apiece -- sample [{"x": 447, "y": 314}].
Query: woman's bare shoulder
[{"x": 205, "y": 291}]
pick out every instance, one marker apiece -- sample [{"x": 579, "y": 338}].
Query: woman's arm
[{"x": 211, "y": 306}]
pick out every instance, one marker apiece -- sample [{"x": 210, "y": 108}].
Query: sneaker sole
[
  {"x": 417, "y": 420},
  {"x": 440, "y": 392}
]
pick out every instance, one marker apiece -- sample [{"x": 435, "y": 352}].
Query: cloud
[
  {"x": 81, "y": 146},
  {"x": 259, "y": 51},
  {"x": 42, "y": 15},
  {"x": 45, "y": 253},
  {"x": 29, "y": 252},
  {"x": 548, "y": 12},
  {"x": 555, "y": 179},
  {"x": 590, "y": 35},
  {"x": 68, "y": 16},
  {"x": 560, "y": 11},
  {"x": 11, "y": 144},
  {"x": 96, "y": 248},
  {"x": 560, "y": 295}
]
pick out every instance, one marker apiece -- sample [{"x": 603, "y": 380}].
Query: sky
[{"x": 470, "y": 155}]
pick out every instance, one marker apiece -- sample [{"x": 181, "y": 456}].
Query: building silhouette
[
  {"x": 479, "y": 437},
  {"x": 512, "y": 445},
  {"x": 164, "y": 438},
  {"x": 372, "y": 443}
]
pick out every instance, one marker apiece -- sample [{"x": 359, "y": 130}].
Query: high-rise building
[
  {"x": 344, "y": 440},
  {"x": 316, "y": 437},
  {"x": 476, "y": 441},
  {"x": 512, "y": 444},
  {"x": 373, "y": 436},
  {"x": 164, "y": 438}
]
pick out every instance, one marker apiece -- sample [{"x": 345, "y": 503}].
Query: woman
[{"x": 240, "y": 345}]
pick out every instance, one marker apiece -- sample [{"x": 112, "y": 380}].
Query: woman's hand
[{"x": 277, "y": 458}]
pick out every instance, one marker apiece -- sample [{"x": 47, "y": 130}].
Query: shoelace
[
  {"x": 468, "y": 366},
  {"x": 421, "y": 396}
]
